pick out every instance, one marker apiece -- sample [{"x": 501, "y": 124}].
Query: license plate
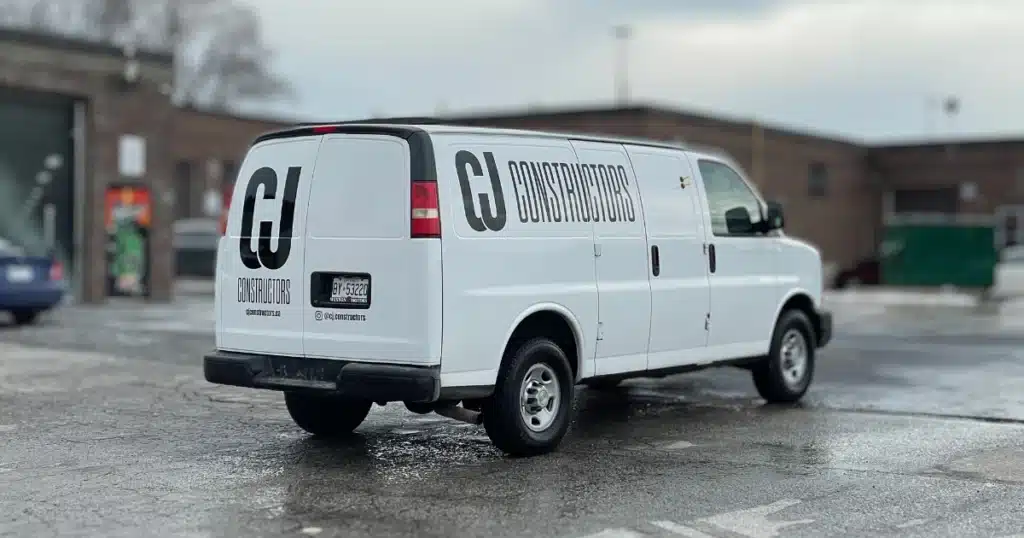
[
  {"x": 350, "y": 290},
  {"x": 19, "y": 273}
]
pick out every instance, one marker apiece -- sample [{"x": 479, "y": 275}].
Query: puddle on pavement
[{"x": 1001, "y": 465}]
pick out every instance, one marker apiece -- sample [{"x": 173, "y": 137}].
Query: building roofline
[
  {"x": 969, "y": 140},
  {"x": 652, "y": 108},
  {"x": 241, "y": 116},
  {"x": 75, "y": 44}
]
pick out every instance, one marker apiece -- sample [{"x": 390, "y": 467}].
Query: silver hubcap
[
  {"x": 794, "y": 358},
  {"x": 540, "y": 397}
]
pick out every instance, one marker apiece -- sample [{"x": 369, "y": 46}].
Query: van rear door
[
  {"x": 373, "y": 249},
  {"x": 260, "y": 274}
]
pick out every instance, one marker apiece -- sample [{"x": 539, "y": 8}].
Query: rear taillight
[
  {"x": 56, "y": 271},
  {"x": 426, "y": 215}
]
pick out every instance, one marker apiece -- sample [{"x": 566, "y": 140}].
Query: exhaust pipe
[{"x": 461, "y": 414}]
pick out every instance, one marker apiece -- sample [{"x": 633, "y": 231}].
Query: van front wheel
[
  {"x": 326, "y": 415},
  {"x": 529, "y": 412},
  {"x": 786, "y": 373}
]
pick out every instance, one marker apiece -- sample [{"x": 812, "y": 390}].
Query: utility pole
[{"x": 622, "y": 33}]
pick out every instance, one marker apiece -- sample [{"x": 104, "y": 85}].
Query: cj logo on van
[
  {"x": 468, "y": 167},
  {"x": 263, "y": 256}
]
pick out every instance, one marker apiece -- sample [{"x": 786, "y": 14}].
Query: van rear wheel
[
  {"x": 326, "y": 415},
  {"x": 529, "y": 412}
]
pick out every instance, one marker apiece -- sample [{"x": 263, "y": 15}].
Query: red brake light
[
  {"x": 56, "y": 271},
  {"x": 426, "y": 215},
  {"x": 324, "y": 129}
]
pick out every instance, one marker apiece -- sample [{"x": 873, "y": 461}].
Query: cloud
[{"x": 858, "y": 67}]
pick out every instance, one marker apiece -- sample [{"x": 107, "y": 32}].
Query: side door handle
[
  {"x": 655, "y": 261},
  {"x": 712, "y": 263}
]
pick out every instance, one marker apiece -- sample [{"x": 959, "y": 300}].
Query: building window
[
  {"x": 817, "y": 180},
  {"x": 182, "y": 190}
]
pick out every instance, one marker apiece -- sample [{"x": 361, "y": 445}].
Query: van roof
[{"x": 439, "y": 128}]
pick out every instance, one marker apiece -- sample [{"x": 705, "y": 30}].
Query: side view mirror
[
  {"x": 775, "y": 218},
  {"x": 737, "y": 221}
]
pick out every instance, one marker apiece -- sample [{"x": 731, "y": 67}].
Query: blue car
[{"x": 29, "y": 285}]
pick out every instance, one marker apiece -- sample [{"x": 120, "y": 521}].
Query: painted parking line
[
  {"x": 757, "y": 522},
  {"x": 681, "y": 530},
  {"x": 754, "y": 522},
  {"x": 616, "y": 533}
]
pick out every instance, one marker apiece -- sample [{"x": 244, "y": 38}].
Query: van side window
[{"x": 735, "y": 209}]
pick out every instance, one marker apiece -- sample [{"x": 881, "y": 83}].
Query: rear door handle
[
  {"x": 712, "y": 263},
  {"x": 655, "y": 261}
]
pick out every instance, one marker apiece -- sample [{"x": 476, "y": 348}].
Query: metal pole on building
[
  {"x": 757, "y": 152},
  {"x": 622, "y": 33}
]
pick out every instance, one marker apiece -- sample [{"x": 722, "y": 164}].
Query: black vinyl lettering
[
  {"x": 572, "y": 191},
  {"x": 521, "y": 199},
  {"x": 606, "y": 198},
  {"x": 586, "y": 199},
  {"x": 623, "y": 178},
  {"x": 563, "y": 182},
  {"x": 465, "y": 159},
  {"x": 264, "y": 256},
  {"x": 550, "y": 172},
  {"x": 543, "y": 205},
  {"x": 490, "y": 218},
  {"x": 255, "y": 290},
  {"x": 496, "y": 219},
  {"x": 595, "y": 193},
  {"x": 533, "y": 208}
]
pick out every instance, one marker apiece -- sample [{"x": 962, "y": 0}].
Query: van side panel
[
  {"x": 680, "y": 293},
  {"x": 515, "y": 240},
  {"x": 624, "y": 266},
  {"x": 358, "y": 223}
]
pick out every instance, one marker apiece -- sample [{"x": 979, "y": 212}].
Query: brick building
[{"x": 83, "y": 98}]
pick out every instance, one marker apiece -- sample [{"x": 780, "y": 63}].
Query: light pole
[{"x": 622, "y": 33}]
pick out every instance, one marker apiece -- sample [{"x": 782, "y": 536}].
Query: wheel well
[
  {"x": 548, "y": 324},
  {"x": 805, "y": 304}
]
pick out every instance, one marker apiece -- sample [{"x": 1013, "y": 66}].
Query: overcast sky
[{"x": 867, "y": 69}]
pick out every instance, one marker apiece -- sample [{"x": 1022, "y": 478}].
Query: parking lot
[{"x": 914, "y": 427}]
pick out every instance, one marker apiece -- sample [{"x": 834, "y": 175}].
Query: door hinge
[
  {"x": 600, "y": 330},
  {"x": 707, "y": 321},
  {"x": 597, "y": 250}
]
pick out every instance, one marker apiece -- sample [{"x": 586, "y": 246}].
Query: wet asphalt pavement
[{"x": 914, "y": 427}]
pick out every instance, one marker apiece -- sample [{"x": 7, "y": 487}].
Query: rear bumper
[
  {"x": 376, "y": 382},
  {"x": 33, "y": 299},
  {"x": 824, "y": 327}
]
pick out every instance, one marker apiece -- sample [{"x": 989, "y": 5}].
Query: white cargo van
[{"x": 483, "y": 274}]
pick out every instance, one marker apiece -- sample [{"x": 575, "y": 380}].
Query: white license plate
[
  {"x": 353, "y": 290},
  {"x": 19, "y": 273}
]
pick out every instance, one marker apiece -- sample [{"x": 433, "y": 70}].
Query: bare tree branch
[{"x": 220, "y": 54}]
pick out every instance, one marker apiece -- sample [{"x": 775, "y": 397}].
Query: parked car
[
  {"x": 195, "y": 247},
  {"x": 1008, "y": 280},
  {"x": 29, "y": 284},
  {"x": 866, "y": 273}
]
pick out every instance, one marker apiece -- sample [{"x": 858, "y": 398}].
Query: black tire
[
  {"x": 505, "y": 424},
  {"x": 326, "y": 416},
  {"x": 776, "y": 382},
  {"x": 24, "y": 317}
]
